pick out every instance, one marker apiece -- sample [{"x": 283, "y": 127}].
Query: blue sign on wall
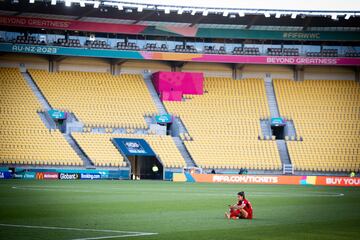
[
  {"x": 278, "y": 121},
  {"x": 165, "y": 118},
  {"x": 56, "y": 114},
  {"x": 5, "y": 175},
  {"x": 133, "y": 147}
]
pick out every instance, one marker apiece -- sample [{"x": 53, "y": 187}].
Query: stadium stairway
[
  {"x": 45, "y": 118},
  {"x": 49, "y": 123},
  {"x": 265, "y": 127},
  {"x": 44, "y": 103},
  {"x": 79, "y": 151},
  {"x": 154, "y": 95},
  {"x": 270, "y": 93},
  {"x": 178, "y": 126},
  {"x": 274, "y": 113},
  {"x": 290, "y": 128},
  {"x": 184, "y": 152},
  {"x": 73, "y": 124},
  {"x": 283, "y": 151}
]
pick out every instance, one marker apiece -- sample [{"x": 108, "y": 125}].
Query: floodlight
[
  {"x": 96, "y": 4},
  {"x": 347, "y": 16}
]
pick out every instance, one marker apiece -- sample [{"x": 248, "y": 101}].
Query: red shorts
[{"x": 236, "y": 213}]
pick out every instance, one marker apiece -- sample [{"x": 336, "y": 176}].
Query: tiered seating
[
  {"x": 127, "y": 46},
  {"x": 290, "y": 52},
  {"x": 323, "y": 53},
  {"x": 24, "y": 138},
  {"x": 68, "y": 43},
  {"x": 246, "y": 51},
  {"x": 329, "y": 52},
  {"x": 28, "y": 40},
  {"x": 102, "y": 151},
  {"x": 283, "y": 51},
  {"x": 185, "y": 49},
  {"x": 352, "y": 53},
  {"x": 274, "y": 51},
  {"x": 153, "y": 47},
  {"x": 99, "y": 148},
  {"x": 98, "y": 99},
  {"x": 213, "y": 50},
  {"x": 224, "y": 125},
  {"x": 326, "y": 116},
  {"x": 97, "y": 44}
]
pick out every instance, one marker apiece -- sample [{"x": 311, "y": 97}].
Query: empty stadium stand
[
  {"x": 67, "y": 42},
  {"x": 352, "y": 53},
  {"x": 103, "y": 153},
  {"x": 323, "y": 53},
  {"x": 326, "y": 114},
  {"x": 246, "y": 51},
  {"x": 223, "y": 125},
  {"x": 213, "y": 50},
  {"x": 24, "y": 137},
  {"x": 154, "y": 47},
  {"x": 185, "y": 48},
  {"x": 98, "y": 99},
  {"x": 283, "y": 51},
  {"x": 97, "y": 44},
  {"x": 28, "y": 40},
  {"x": 127, "y": 46}
]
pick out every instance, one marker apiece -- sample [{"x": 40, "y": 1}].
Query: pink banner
[
  {"x": 186, "y": 82},
  {"x": 70, "y": 25},
  {"x": 171, "y": 96},
  {"x": 172, "y": 85},
  {"x": 274, "y": 60}
]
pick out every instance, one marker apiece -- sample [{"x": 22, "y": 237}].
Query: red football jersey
[{"x": 247, "y": 207}]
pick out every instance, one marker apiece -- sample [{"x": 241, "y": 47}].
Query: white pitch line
[
  {"x": 199, "y": 193},
  {"x": 127, "y": 233},
  {"x": 117, "y": 236}
]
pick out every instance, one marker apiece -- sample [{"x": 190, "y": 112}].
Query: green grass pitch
[{"x": 64, "y": 210}]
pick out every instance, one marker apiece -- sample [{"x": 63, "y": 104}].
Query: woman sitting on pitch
[{"x": 241, "y": 210}]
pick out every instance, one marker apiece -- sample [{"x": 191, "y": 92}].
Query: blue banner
[
  {"x": 278, "y": 121},
  {"x": 133, "y": 147},
  {"x": 68, "y": 51},
  {"x": 30, "y": 173},
  {"x": 5, "y": 175},
  {"x": 165, "y": 118},
  {"x": 25, "y": 175},
  {"x": 90, "y": 176},
  {"x": 56, "y": 114}
]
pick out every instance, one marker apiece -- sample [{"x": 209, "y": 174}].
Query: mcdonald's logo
[
  {"x": 40, "y": 175},
  {"x": 47, "y": 175}
]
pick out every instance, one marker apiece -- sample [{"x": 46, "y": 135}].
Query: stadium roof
[
  {"x": 331, "y": 15},
  {"x": 315, "y": 5}
]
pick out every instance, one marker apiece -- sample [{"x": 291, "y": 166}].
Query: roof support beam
[{"x": 252, "y": 21}]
